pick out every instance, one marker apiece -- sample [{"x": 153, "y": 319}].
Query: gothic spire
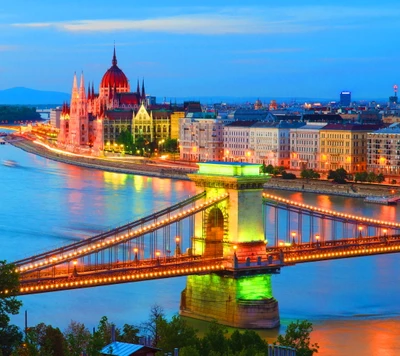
[
  {"x": 114, "y": 60},
  {"x": 138, "y": 87},
  {"x": 143, "y": 91},
  {"x": 89, "y": 95}
]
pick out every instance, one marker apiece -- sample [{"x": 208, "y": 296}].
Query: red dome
[{"x": 114, "y": 77}]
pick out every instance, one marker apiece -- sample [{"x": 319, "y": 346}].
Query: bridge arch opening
[{"x": 214, "y": 236}]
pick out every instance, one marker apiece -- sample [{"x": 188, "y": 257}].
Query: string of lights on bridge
[
  {"x": 329, "y": 255},
  {"x": 126, "y": 277},
  {"x": 330, "y": 212},
  {"x": 116, "y": 240}
]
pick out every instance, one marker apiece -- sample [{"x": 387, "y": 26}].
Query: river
[{"x": 353, "y": 303}]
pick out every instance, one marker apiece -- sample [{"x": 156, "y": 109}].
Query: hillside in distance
[{"x": 26, "y": 96}]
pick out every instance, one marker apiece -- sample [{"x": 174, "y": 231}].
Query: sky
[{"x": 216, "y": 48}]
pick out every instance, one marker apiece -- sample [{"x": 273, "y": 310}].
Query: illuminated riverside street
[{"x": 47, "y": 204}]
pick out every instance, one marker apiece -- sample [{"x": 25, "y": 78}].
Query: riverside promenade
[
  {"x": 179, "y": 170},
  {"x": 128, "y": 165}
]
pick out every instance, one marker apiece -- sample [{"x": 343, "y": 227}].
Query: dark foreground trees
[
  {"x": 10, "y": 335},
  {"x": 45, "y": 340}
]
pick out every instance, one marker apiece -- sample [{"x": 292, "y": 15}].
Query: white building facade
[
  {"x": 305, "y": 146},
  {"x": 201, "y": 138}
]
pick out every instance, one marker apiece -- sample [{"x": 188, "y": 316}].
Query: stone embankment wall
[
  {"x": 106, "y": 165},
  {"x": 357, "y": 190}
]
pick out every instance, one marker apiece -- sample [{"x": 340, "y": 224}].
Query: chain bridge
[{"x": 228, "y": 239}]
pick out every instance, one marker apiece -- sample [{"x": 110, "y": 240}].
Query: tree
[
  {"x": 380, "y": 178},
  {"x": 102, "y": 336},
  {"x": 11, "y": 338},
  {"x": 338, "y": 176},
  {"x": 309, "y": 174},
  {"x": 152, "y": 326},
  {"x": 360, "y": 177},
  {"x": 171, "y": 145},
  {"x": 176, "y": 333},
  {"x": 269, "y": 169},
  {"x": 278, "y": 170},
  {"x": 77, "y": 338},
  {"x": 129, "y": 334},
  {"x": 248, "y": 343},
  {"x": 9, "y": 285},
  {"x": 298, "y": 336},
  {"x": 288, "y": 175},
  {"x": 214, "y": 340},
  {"x": 371, "y": 177},
  {"x": 54, "y": 342},
  {"x": 125, "y": 138}
]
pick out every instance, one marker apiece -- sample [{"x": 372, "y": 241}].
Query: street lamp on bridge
[
  {"x": 317, "y": 237},
  {"x": 75, "y": 263},
  {"x": 293, "y": 238},
  {"x": 178, "y": 246},
  {"x": 360, "y": 228},
  {"x": 136, "y": 250}
]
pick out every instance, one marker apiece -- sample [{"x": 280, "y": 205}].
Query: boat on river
[
  {"x": 382, "y": 200},
  {"x": 10, "y": 163}
]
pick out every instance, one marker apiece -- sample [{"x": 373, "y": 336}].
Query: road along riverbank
[
  {"x": 106, "y": 164},
  {"x": 353, "y": 190}
]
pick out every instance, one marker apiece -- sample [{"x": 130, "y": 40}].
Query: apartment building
[{"x": 201, "y": 137}]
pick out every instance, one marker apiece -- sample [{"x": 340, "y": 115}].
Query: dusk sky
[{"x": 219, "y": 48}]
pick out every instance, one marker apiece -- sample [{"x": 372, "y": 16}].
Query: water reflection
[{"x": 353, "y": 303}]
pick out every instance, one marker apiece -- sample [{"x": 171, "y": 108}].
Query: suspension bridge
[{"x": 229, "y": 229}]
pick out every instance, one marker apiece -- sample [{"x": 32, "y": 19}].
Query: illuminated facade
[
  {"x": 237, "y": 142},
  {"x": 200, "y": 137},
  {"x": 270, "y": 143},
  {"x": 304, "y": 146},
  {"x": 384, "y": 150},
  {"x": 344, "y": 146},
  {"x": 93, "y": 121},
  {"x": 232, "y": 229}
]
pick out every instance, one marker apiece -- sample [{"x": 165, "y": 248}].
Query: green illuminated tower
[{"x": 233, "y": 229}]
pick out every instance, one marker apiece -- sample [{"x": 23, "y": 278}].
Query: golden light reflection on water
[
  {"x": 358, "y": 337},
  {"x": 115, "y": 180}
]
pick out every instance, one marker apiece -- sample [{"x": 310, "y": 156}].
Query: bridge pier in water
[{"x": 240, "y": 296}]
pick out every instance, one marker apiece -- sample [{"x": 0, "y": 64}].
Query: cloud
[
  {"x": 233, "y": 20},
  {"x": 205, "y": 24}
]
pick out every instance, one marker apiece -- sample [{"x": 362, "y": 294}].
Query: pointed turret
[
  {"x": 89, "y": 95},
  {"x": 82, "y": 88},
  {"x": 138, "y": 87},
  {"x": 114, "y": 60},
  {"x": 143, "y": 91},
  {"x": 92, "y": 90},
  {"x": 75, "y": 87}
]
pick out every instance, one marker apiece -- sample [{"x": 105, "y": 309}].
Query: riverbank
[
  {"x": 352, "y": 190},
  {"x": 128, "y": 165}
]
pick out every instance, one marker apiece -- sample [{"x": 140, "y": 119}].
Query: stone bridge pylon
[{"x": 233, "y": 229}]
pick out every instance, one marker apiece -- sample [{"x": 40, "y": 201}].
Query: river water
[{"x": 353, "y": 303}]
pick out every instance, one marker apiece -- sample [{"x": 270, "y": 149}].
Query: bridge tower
[{"x": 233, "y": 229}]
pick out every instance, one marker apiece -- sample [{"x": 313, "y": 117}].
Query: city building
[
  {"x": 270, "y": 142},
  {"x": 201, "y": 137},
  {"x": 384, "y": 150},
  {"x": 237, "y": 141},
  {"x": 344, "y": 146},
  {"x": 92, "y": 122},
  {"x": 55, "y": 115},
  {"x": 305, "y": 146},
  {"x": 345, "y": 98}
]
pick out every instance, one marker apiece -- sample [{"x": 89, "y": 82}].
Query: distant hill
[{"x": 26, "y": 96}]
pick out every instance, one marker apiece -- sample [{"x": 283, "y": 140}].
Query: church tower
[{"x": 78, "y": 114}]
